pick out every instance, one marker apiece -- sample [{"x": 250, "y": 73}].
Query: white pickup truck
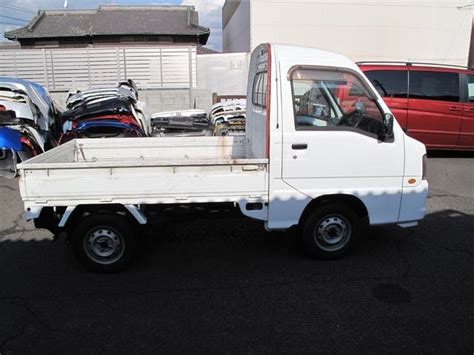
[{"x": 322, "y": 151}]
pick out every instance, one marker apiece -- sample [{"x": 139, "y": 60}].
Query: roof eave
[
  {"x": 13, "y": 35},
  {"x": 203, "y": 38},
  {"x": 197, "y": 34}
]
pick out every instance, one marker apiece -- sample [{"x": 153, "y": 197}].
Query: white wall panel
[
  {"x": 236, "y": 34},
  {"x": 224, "y": 74},
  {"x": 407, "y": 30}
]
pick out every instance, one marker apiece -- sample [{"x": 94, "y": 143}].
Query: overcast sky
[{"x": 12, "y": 11}]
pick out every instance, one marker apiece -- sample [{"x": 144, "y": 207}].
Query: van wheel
[
  {"x": 104, "y": 242},
  {"x": 330, "y": 231}
]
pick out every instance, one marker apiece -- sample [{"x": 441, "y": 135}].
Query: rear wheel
[
  {"x": 104, "y": 242},
  {"x": 330, "y": 231}
]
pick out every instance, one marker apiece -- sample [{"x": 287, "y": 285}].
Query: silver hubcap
[
  {"x": 104, "y": 245},
  {"x": 332, "y": 232}
]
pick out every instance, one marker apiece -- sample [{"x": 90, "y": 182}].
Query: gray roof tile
[{"x": 113, "y": 20}]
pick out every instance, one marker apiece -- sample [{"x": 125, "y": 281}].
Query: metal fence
[{"x": 65, "y": 69}]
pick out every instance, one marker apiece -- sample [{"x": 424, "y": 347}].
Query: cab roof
[{"x": 311, "y": 56}]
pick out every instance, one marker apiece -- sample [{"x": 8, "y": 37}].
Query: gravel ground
[{"x": 229, "y": 286}]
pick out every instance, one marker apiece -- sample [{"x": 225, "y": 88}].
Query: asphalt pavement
[{"x": 229, "y": 286}]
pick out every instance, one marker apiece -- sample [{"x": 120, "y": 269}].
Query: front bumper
[{"x": 413, "y": 205}]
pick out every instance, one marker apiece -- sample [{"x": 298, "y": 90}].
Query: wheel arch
[
  {"x": 349, "y": 200},
  {"x": 73, "y": 214}
]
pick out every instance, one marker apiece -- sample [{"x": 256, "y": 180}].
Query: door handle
[
  {"x": 301, "y": 146},
  {"x": 454, "y": 109}
]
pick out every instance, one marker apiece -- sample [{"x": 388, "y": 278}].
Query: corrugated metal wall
[{"x": 65, "y": 69}]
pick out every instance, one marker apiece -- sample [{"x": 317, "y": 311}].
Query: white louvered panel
[
  {"x": 144, "y": 66},
  {"x": 65, "y": 69},
  {"x": 176, "y": 69},
  {"x": 68, "y": 69},
  {"x": 104, "y": 68},
  {"x": 29, "y": 65}
]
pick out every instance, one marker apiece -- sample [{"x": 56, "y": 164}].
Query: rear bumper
[{"x": 413, "y": 205}]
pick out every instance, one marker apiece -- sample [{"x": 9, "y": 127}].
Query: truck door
[{"x": 331, "y": 147}]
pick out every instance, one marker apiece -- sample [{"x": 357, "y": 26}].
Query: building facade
[{"x": 403, "y": 30}]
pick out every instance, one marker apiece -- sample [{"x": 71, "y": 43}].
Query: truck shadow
[
  {"x": 217, "y": 247},
  {"x": 209, "y": 247}
]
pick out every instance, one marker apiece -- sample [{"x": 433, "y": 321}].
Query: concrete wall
[
  {"x": 416, "y": 30},
  {"x": 236, "y": 28}
]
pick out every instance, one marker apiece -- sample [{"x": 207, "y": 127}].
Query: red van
[{"x": 433, "y": 103}]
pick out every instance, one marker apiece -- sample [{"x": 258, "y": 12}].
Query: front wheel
[
  {"x": 104, "y": 242},
  {"x": 330, "y": 231}
]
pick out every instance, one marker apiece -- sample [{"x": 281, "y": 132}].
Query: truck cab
[
  {"x": 323, "y": 143},
  {"x": 322, "y": 151}
]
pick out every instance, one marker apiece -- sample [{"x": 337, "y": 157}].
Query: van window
[
  {"x": 389, "y": 83},
  {"x": 429, "y": 85},
  {"x": 259, "y": 91},
  {"x": 321, "y": 100},
  {"x": 470, "y": 88}
]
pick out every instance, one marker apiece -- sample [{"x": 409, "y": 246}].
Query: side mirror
[
  {"x": 388, "y": 123},
  {"x": 387, "y": 131}
]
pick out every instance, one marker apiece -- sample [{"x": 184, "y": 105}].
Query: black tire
[
  {"x": 330, "y": 231},
  {"x": 104, "y": 242}
]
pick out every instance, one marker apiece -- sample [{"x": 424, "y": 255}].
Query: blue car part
[
  {"x": 10, "y": 139},
  {"x": 85, "y": 125},
  {"x": 102, "y": 128},
  {"x": 10, "y": 144}
]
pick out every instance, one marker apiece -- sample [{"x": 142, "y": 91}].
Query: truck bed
[{"x": 144, "y": 171}]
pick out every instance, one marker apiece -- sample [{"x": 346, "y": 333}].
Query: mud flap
[
  {"x": 10, "y": 143},
  {"x": 8, "y": 161}
]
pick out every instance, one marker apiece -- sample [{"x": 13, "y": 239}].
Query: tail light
[
  {"x": 425, "y": 160},
  {"x": 2, "y": 108},
  {"x": 26, "y": 141}
]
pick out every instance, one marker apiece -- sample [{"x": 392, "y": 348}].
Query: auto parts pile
[
  {"x": 29, "y": 122},
  {"x": 103, "y": 113},
  {"x": 228, "y": 118},
  {"x": 180, "y": 123}
]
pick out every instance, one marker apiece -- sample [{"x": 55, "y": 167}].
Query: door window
[
  {"x": 427, "y": 85},
  {"x": 389, "y": 83},
  {"x": 322, "y": 100},
  {"x": 470, "y": 88},
  {"x": 259, "y": 92}
]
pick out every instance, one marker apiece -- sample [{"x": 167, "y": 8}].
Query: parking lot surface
[{"x": 229, "y": 286}]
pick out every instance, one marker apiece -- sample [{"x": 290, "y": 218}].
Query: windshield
[{"x": 325, "y": 98}]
